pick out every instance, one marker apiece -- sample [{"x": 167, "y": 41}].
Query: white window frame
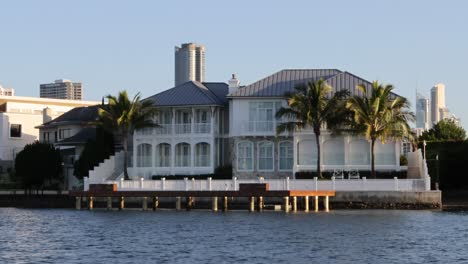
[
  {"x": 279, "y": 155},
  {"x": 252, "y": 155},
  {"x": 177, "y": 156},
  {"x": 21, "y": 131},
  {"x": 208, "y": 155},
  {"x": 272, "y": 156},
  {"x": 157, "y": 155},
  {"x": 141, "y": 160}
]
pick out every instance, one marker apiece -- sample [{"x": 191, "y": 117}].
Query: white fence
[{"x": 187, "y": 184}]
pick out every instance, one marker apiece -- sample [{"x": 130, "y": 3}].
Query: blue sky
[{"x": 114, "y": 45}]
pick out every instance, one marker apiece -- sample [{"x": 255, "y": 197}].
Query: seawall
[{"x": 342, "y": 200}]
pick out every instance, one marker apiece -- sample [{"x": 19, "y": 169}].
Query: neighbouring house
[
  {"x": 18, "y": 118},
  {"x": 70, "y": 132},
  {"x": 205, "y": 125}
]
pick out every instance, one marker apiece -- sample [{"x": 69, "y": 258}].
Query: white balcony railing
[
  {"x": 274, "y": 184},
  {"x": 202, "y": 128},
  {"x": 165, "y": 129},
  {"x": 185, "y": 128}
]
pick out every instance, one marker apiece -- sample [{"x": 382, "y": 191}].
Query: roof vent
[{"x": 234, "y": 84}]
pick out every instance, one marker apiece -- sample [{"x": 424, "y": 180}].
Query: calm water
[{"x": 69, "y": 236}]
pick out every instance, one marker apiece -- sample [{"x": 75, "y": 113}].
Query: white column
[
  {"x": 173, "y": 153},
  {"x": 212, "y": 150},
  {"x": 192, "y": 120},
  {"x": 173, "y": 121},
  {"x": 192, "y": 156},
  {"x": 346, "y": 140},
  {"x": 397, "y": 154},
  {"x": 213, "y": 112}
]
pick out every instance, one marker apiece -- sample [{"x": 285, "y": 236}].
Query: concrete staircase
[{"x": 108, "y": 170}]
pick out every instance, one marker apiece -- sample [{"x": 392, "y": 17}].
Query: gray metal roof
[
  {"x": 77, "y": 115},
  {"x": 192, "y": 93},
  {"x": 81, "y": 137},
  {"x": 277, "y": 84}
]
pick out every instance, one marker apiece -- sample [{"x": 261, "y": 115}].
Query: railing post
[
  {"x": 141, "y": 183},
  {"x": 186, "y": 183},
  {"x": 193, "y": 184},
  {"x": 316, "y": 183},
  {"x": 209, "y": 183},
  {"x": 333, "y": 182},
  {"x": 121, "y": 183},
  {"x": 163, "y": 183},
  {"x": 396, "y": 183},
  {"x": 261, "y": 179},
  {"x": 234, "y": 183},
  {"x": 287, "y": 183},
  {"x": 85, "y": 183},
  {"x": 364, "y": 183}
]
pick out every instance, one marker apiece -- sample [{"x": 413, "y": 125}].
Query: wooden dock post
[
  {"x": 286, "y": 204},
  {"x": 78, "y": 202},
  {"x": 306, "y": 204},
  {"x": 261, "y": 204},
  {"x": 90, "y": 203},
  {"x": 214, "y": 204},
  {"x": 225, "y": 204},
  {"x": 294, "y": 204},
  {"x": 155, "y": 203},
  {"x": 144, "y": 205},
  {"x": 326, "y": 204},
  {"x": 178, "y": 205},
  {"x": 252, "y": 204},
  {"x": 316, "y": 203},
  {"x": 109, "y": 203},
  {"x": 122, "y": 203},
  {"x": 190, "y": 202}
]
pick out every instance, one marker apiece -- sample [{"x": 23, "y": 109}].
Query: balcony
[
  {"x": 202, "y": 128},
  {"x": 165, "y": 129},
  {"x": 184, "y": 128}
]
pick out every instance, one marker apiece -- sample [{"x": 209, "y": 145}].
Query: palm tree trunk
[
  {"x": 124, "y": 139},
  {"x": 319, "y": 163},
  {"x": 372, "y": 158}
]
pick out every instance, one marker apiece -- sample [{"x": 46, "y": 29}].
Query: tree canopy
[
  {"x": 314, "y": 106},
  {"x": 38, "y": 164},
  {"x": 123, "y": 116},
  {"x": 444, "y": 130},
  {"x": 379, "y": 115}
]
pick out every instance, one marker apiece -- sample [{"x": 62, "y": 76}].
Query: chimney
[
  {"x": 46, "y": 115},
  {"x": 233, "y": 84}
]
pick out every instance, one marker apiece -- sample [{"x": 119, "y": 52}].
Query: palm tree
[
  {"x": 313, "y": 105},
  {"x": 380, "y": 115},
  {"x": 123, "y": 116}
]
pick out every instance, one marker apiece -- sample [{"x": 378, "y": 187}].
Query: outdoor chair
[
  {"x": 338, "y": 174},
  {"x": 353, "y": 174}
]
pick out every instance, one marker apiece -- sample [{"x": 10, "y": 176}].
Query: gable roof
[
  {"x": 277, "y": 84},
  {"x": 81, "y": 137},
  {"x": 283, "y": 81},
  {"x": 192, "y": 93},
  {"x": 78, "y": 115}
]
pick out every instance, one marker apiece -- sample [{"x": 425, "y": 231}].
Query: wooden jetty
[{"x": 256, "y": 192}]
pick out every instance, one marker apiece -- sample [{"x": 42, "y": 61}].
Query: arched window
[
  {"x": 359, "y": 152},
  {"x": 265, "y": 156},
  {"x": 333, "y": 152},
  {"x": 307, "y": 152},
  {"x": 385, "y": 153},
  {"x": 286, "y": 155},
  {"x": 144, "y": 155},
  {"x": 202, "y": 155},
  {"x": 163, "y": 155},
  {"x": 245, "y": 156},
  {"x": 182, "y": 158}
]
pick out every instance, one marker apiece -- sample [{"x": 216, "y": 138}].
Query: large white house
[
  {"x": 205, "y": 125},
  {"x": 18, "y": 118}
]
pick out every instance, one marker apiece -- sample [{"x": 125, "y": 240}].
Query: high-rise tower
[
  {"x": 62, "y": 89},
  {"x": 189, "y": 63},
  {"x": 422, "y": 112},
  {"x": 437, "y": 102}
]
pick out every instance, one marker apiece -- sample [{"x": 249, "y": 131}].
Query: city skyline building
[
  {"x": 189, "y": 63},
  {"x": 437, "y": 102},
  {"x": 6, "y": 91},
  {"x": 422, "y": 112},
  {"x": 62, "y": 89}
]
